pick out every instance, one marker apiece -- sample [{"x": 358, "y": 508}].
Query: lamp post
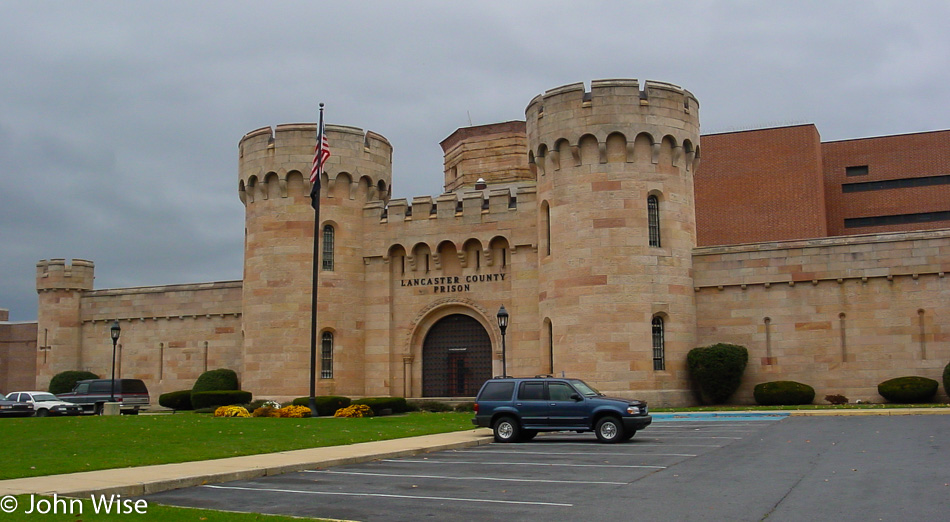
[
  {"x": 114, "y": 332},
  {"x": 503, "y": 326}
]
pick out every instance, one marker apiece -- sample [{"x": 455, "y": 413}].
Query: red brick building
[{"x": 784, "y": 183}]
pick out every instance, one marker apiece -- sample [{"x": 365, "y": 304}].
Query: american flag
[{"x": 321, "y": 151}]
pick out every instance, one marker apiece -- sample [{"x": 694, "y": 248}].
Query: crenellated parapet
[
  {"x": 270, "y": 160},
  {"x": 470, "y": 206},
  {"x": 57, "y": 274},
  {"x": 616, "y": 121}
]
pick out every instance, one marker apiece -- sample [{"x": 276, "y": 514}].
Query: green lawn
[
  {"x": 52, "y": 445},
  {"x": 87, "y": 512}
]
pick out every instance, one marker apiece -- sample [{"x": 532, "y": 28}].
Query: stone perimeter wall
[
  {"x": 17, "y": 354},
  {"x": 840, "y": 314},
  {"x": 170, "y": 335}
]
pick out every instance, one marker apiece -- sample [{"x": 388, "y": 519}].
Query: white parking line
[
  {"x": 443, "y": 477},
  {"x": 384, "y": 495},
  {"x": 636, "y": 444},
  {"x": 586, "y": 453},
  {"x": 690, "y": 437},
  {"x": 544, "y": 464}
]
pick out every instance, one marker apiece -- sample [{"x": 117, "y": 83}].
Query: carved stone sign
[{"x": 446, "y": 284}]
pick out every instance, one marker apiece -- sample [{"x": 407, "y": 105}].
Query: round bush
[
  {"x": 215, "y": 380},
  {"x": 64, "y": 382},
  {"x": 908, "y": 390},
  {"x": 717, "y": 370},
  {"x": 781, "y": 393},
  {"x": 946, "y": 379},
  {"x": 176, "y": 400},
  {"x": 207, "y": 399}
]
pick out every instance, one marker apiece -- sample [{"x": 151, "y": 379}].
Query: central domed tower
[{"x": 616, "y": 231}]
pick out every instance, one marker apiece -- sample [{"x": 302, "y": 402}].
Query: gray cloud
[{"x": 119, "y": 121}]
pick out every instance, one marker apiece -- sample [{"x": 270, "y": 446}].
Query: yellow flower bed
[
  {"x": 231, "y": 411},
  {"x": 294, "y": 412},
  {"x": 356, "y": 410}
]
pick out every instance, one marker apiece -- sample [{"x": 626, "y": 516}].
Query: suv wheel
[
  {"x": 507, "y": 430},
  {"x": 609, "y": 430}
]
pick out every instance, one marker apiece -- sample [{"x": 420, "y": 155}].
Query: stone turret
[
  {"x": 603, "y": 158},
  {"x": 274, "y": 167},
  {"x": 60, "y": 286}
]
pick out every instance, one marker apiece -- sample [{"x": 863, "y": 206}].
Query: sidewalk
[{"x": 143, "y": 480}]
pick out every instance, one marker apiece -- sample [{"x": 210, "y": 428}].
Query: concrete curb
[{"x": 131, "y": 482}]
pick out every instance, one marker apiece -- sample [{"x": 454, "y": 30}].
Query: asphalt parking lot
[{"x": 799, "y": 468}]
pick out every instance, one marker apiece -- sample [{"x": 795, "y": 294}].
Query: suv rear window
[{"x": 497, "y": 391}]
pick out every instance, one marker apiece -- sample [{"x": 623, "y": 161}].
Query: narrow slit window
[
  {"x": 326, "y": 356},
  {"x": 653, "y": 216},
  {"x": 328, "y": 237},
  {"x": 659, "y": 344}
]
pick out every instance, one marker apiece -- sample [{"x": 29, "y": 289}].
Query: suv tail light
[{"x": 476, "y": 407}]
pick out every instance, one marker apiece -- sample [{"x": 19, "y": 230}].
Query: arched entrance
[{"x": 456, "y": 357}]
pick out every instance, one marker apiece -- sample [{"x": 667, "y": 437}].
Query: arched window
[
  {"x": 653, "y": 216},
  {"x": 328, "y": 248},
  {"x": 326, "y": 356},
  {"x": 659, "y": 344}
]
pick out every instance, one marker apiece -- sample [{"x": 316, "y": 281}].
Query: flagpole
[{"x": 315, "y": 202}]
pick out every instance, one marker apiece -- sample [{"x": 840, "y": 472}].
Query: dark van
[{"x": 91, "y": 394}]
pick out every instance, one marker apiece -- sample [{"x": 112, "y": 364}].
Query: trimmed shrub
[
  {"x": 379, "y": 404},
  {"x": 780, "y": 393},
  {"x": 908, "y": 390},
  {"x": 946, "y": 379},
  {"x": 717, "y": 370},
  {"x": 431, "y": 406},
  {"x": 221, "y": 379},
  {"x": 176, "y": 400},
  {"x": 465, "y": 407},
  {"x": 837, "y": 400},
  {"x": 326, "y": 404},
  {"x": 207, "y": 399},
  {"x": 64, "y": 382}
]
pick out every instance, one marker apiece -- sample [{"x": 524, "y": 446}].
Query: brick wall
[
  {"x": 887, "y": 158},
  {"x": 762, "y": 185}
]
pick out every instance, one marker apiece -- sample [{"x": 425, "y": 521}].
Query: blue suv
[{"x": 517, "y": 409}]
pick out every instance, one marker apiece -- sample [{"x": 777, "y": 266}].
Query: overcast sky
[{"x": 119, "y": 121}]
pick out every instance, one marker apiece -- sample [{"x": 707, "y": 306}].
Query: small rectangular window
[{"x": 859, "y": 170}]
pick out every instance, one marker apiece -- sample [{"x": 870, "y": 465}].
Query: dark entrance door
[{"x": 456, "y": 357}]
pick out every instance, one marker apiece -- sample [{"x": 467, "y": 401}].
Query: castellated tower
[
  {"x": 616, "y": 231},
  {"x": 59, "y": 325},
  {"x": 274, "y": 171}
]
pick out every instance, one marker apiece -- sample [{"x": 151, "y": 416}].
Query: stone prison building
[{"x": 615, "y": 234}]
